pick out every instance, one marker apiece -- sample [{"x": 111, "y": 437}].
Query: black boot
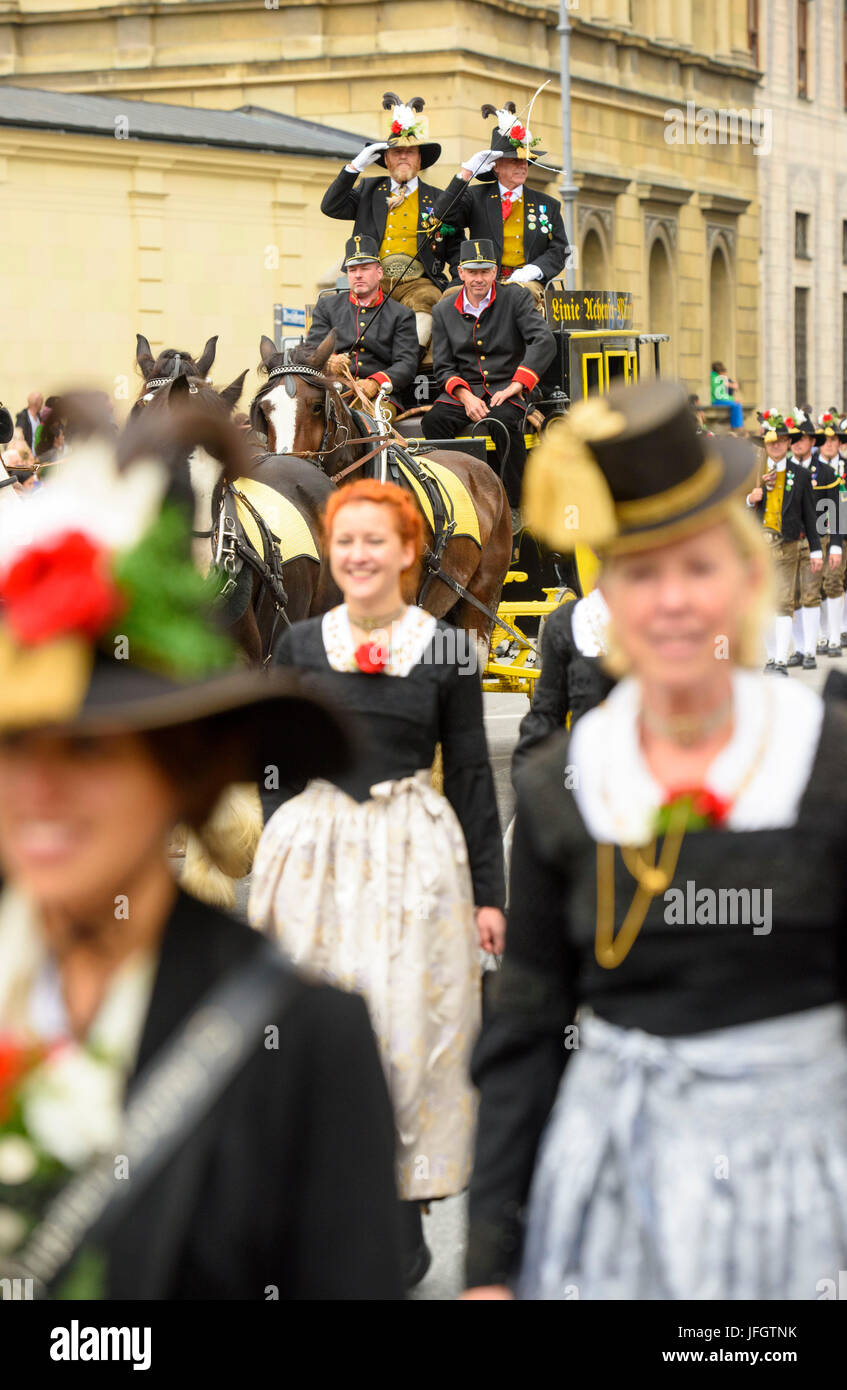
[{"x": 417, "y": 1256}]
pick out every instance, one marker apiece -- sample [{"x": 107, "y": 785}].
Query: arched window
[
  {"x": 595, "y": 273},
  {"x": 721, "y": 317},
  {"x": 661, "y": 302}
]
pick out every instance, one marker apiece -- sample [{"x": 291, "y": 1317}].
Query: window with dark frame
[
  {"x": 801, "y": 236},
  {"x": 753, "y": 29},
  {"x": 802, "y": 48},
  {"x": 801, "y": 376}
]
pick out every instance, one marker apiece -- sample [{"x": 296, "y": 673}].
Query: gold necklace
[
  {"x": 687, "y": 729},
  {"x": 371, "y": 624},
  {"x": 652, "y": 878}
]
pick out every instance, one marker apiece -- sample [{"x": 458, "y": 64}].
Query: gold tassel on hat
[{"x": 566, "y": 498}]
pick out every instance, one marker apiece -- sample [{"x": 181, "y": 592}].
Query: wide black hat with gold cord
[
  {"x": 407, "y": 129},
  {"x": 628, "y": 471},
  {"x": 106, "y": 625}
]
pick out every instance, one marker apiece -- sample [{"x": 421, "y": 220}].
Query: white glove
[
  {"x": 481, "y": 162},
  {"x": 367, "y": 156},
  {"x": 522, "y": 274}
]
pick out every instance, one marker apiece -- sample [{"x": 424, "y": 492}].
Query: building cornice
[{"x": 723, "y": 202}]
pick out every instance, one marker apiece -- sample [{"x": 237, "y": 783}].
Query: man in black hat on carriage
[
  {"x": 398, "y": 212},
  {"x": 375, "y": 339},
  {"x": 490, "y": 348},
  {"x": 526, "y": 227}
]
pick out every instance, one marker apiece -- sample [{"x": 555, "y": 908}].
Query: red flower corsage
[
  {"x": 790, "y": 422},
  {"x": 61, "y": 588},
  {"x": 371, "y": 658},
  {"x": 518, "y": 132},
  {"x": 396, "y": 128},
  {"x": 704, "y": 808}
]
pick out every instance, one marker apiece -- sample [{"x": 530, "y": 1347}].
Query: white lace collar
[
  {"x": 777, "y": 728},
  {"x": 410, "y": 638},
  {"x": 589, "y": 621}
]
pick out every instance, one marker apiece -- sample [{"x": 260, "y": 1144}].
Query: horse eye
[{"x": 317, "y": 408}]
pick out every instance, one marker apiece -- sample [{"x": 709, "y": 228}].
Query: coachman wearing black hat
[
  {"x": 244, "y": 1108},
  {"x": 526, "y": 227},
  {"x": 489, "y": 350},
  {"x": 664, "y": 1062},
  {"x": 398, "y": 212},
  {"x": 374, "y": 340}
]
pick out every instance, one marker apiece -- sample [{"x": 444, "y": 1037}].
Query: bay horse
[
  {"x": 305, "y": 415},
  {"x": 177, "y": 380}
]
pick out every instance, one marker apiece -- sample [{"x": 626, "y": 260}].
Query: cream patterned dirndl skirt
[
  {"x": 706, "y": 1167},
  {"x": 376, "y": 897}
]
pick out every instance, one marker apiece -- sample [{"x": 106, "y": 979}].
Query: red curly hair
[{"x": 408, "y": 522}]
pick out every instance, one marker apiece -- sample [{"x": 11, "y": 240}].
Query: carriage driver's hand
[
  {"x": 370, "y": 387},
  {"x": 513, "y": 389},
  {"x": 491, "y": 927},
  {"x": 475, "y": 408}
]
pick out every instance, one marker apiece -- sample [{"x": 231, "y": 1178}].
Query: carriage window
[
  {"x": 592, "y": 373},
  {"x": 616, "y": 366}
]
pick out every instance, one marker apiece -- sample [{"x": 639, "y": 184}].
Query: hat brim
[
  {"x": 480, "y": 265},
  {"x": 284, "y": 724},
  {"x": 429, "y": 151},
  {"x": 360, "y": 260},
  {"x": 736, "y": 472}
]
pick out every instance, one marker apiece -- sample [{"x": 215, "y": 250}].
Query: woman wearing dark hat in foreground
[
  {"x": 683, "y": 1135},
  {"x": 224, "y": 1126}
]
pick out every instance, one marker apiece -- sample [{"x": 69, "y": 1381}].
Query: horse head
[
  {"x": 176, "y": 384},
  {"x": 300, "y": 407}
]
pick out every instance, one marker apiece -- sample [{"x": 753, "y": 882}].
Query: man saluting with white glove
[
  {"x": 526, "y": 227},
  {"x": 398, "y": 212}
]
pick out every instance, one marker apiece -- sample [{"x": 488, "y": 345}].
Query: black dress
[
  {"x": 370, "y": 881},
  {"x": 675, "y": 982},
  {"x": 570, "y": 682},
  {"x": 397, "y": 722},
  {"x": 287, "y": 1183}
]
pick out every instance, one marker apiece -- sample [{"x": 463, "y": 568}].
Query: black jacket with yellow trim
[
  {"x": 509, "y": 341},
  {"x": 366, "y": 203},
  {"x": 479, "y": 208}
]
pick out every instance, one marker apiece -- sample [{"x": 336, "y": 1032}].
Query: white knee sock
[
  {"x": 824, "y": 636},
  {"x": 770, "y": 640},
  {"x": 783, "y": 639},
  {"x": 833, "y": 613},
  {"x": 811, "y": 628},
  {"x": 797, "y": 629}
]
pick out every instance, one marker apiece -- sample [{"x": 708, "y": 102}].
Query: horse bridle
[
  {"x": 290, "y": 371},
  {"x": 156, "y": 381}
]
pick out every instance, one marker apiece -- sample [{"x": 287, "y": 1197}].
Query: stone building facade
[
  {"x": 803, "y": 50},
  {"x": 674, "y": 220}
]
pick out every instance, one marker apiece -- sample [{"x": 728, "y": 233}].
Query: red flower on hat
[
  {"x": 827, "y": 419},
  {"x": 371, "y": 658},
  {"x": 790, "y": 421},
  {"x": 766, "y": 415},
  {"x": 60, "y": 588},
  {"x": 396, "y": 128},
  {"x": 518, "y": 132}
]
